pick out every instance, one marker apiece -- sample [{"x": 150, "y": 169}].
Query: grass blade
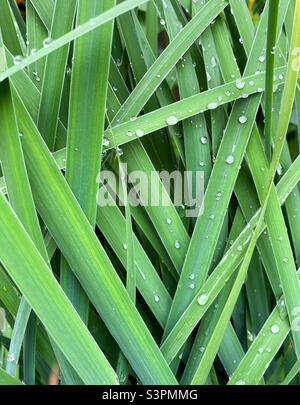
[
  {"x": 72, "y": 35},
  {"x": 85, "y": 252},
  {"x": 51, "y": 93},
  {"x": 270, "y": 52},
  {"x": 7, "y": 379}
]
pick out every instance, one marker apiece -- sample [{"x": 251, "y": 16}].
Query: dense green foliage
[{"x": 144, "y": 293}]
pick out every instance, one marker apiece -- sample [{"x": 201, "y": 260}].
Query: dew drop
[
  {"x": 202, "y": 300},
  {"x": 250, "y": 336},
  {"x": 275, "y": 329},
  {"x": 279, "y": 169},
  {"x": 240, "y": 84},
  {"x": 105, "y": 142},
  {"x": 17, "y": 59},
  {"x": 47, "y": 42},
  {"x": 11, "y": 357},
  {"x": 177, "y": 244},
  {"x": 172, "y": 120},
  {"x": 230, "y": 159},
  {"x": 139, "y": 132},
  {"x": 212, "y": 105},
  {"x": 243, "y": 119}
]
